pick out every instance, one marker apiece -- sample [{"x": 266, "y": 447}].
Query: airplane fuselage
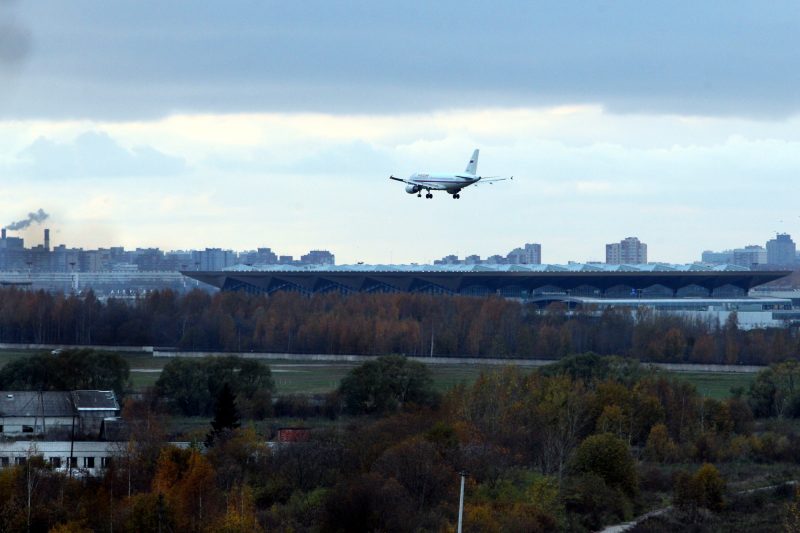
[{"x": 451, "y": 183}]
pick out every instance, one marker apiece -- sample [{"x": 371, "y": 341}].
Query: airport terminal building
[{"x": 711, "y": 290}]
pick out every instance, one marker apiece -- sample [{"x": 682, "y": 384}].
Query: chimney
[
  {"x": 3, "y": 234},
  {"x": 46, "y": 240}
]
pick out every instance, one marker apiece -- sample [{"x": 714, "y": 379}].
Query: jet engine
[{"x": 413, "y": 189}]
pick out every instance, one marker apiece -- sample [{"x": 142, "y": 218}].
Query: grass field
[
  {"x": 716, "y": 385},
  {"x": 301, "y": 377},
  {"x": 304, "y": 377}
]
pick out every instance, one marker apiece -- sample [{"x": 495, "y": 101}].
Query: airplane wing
[
  {"x": 490, "y": 179},
  {"x": 402, "y": 180}
]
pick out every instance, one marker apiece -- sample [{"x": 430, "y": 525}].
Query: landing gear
[
  {"x": 419, "y": 195},
  {"x": 456, "y": 196},
  {"x": 429, "y": 196}
]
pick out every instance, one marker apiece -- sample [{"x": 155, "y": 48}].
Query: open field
[
  {"x": 6, "y": 356},
  {"x": 305, "y": 377},
  {"x": 716, "y": 385}
]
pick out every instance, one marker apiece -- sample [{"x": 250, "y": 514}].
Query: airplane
[{"x": 452, "y": 183}]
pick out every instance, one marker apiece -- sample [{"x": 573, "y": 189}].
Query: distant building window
[
  {"x": 88, "y": 462},
  {"x": 4, "y": 461},
  {"x": 105, "y": 462},
  {"x": 27, "y": 429},
  {"x": 73, "y": 462},
  {"x": 20, "y": 460},
  {"x": 56, "y": 462},
  {"x": 1, "y": 428}
]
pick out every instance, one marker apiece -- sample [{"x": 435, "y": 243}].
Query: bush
[
  {"x": 607, "y": 456},
  {"x": 653, "y": 479},
  {"x": 590, "y": 503}
]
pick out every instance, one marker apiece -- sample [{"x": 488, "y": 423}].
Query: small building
[
  {"x": 94, "y": 406},
  {"x": 293, "y": 434},
  {"x": 77, "y": 457},
  {"x": 34, "y": 412},
  {"x": 56, "y": 413}
]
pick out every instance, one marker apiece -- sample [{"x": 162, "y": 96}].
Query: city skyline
[
  {"x": 780, "y": 250},
  {"x": 288, "y": 128}
]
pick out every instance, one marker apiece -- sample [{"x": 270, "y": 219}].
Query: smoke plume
[{"x": 37, "y": 216}]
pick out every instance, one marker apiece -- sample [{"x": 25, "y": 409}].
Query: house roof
[
  {"x": 95, "y": 400},
  {"x": 55, "y": 403},
  {"x": 32, "y": 404}
]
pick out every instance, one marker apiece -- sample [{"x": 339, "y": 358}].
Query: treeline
[
  {"x": 583, "y": 443},
  {"x": 405, "y": 324},
  {"x": 186, "y": 386},
  {"x": 191, "y": 386},
  {"x": 67, "y": 371}
]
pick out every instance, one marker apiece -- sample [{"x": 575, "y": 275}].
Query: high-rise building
[
  {"x": 215, "y": 259},
  {"x": 318, "y": 257},
  {"x": 629, "y": 251},
  {"x": 448, "y": 260},
  {"x": 781, "y": 250},
  {"x": 530, "y": 254},
  {"x": 750, "y": 256},
  {"x": 717, "y": 258}
]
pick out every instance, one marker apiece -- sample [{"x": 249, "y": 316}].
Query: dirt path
[{"x": 626, "y": 526}]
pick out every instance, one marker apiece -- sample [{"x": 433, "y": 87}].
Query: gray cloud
[
  {"x": 15, "y": 43},
  {"x": 94, "y": 154},
  {"x": 15, "y": 38},
  {"x": 129, "y": 59}
]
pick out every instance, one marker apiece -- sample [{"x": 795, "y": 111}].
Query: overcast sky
[{"x": 242, "y": 124}]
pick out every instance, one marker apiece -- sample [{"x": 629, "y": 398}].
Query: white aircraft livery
[{"x": 452, "y": 183}]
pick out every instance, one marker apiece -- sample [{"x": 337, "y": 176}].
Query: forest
[
  {"x": 381, "y": 324},
  {"x": 574, "y": 446}
]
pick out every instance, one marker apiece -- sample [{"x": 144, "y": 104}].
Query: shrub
[{"x": 608, "y": 457}]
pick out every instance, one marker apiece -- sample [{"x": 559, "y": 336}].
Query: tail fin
[{"x": 472, "y": 167}]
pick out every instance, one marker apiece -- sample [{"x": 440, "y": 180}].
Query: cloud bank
[
  {"x": 144, "y": 59},
  {"x": 92, "y": 154}
]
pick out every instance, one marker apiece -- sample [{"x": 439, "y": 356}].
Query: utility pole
[{"x": 463, "y": 474}]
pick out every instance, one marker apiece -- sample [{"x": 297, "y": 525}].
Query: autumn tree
[
  {"x": 792, "y": 521},
  {"x": 186, "y": 481},
  {"x": 417, "y": 465},
  {"x": 370, "y": 502},
  {"x": 705, "y": 488},
  {"x": 660, "y": 447}
]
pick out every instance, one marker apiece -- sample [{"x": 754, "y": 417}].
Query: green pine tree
[{"x": 226, "y": 415}]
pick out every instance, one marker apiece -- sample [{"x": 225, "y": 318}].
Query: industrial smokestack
[{"x": 46, "y": 240}]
